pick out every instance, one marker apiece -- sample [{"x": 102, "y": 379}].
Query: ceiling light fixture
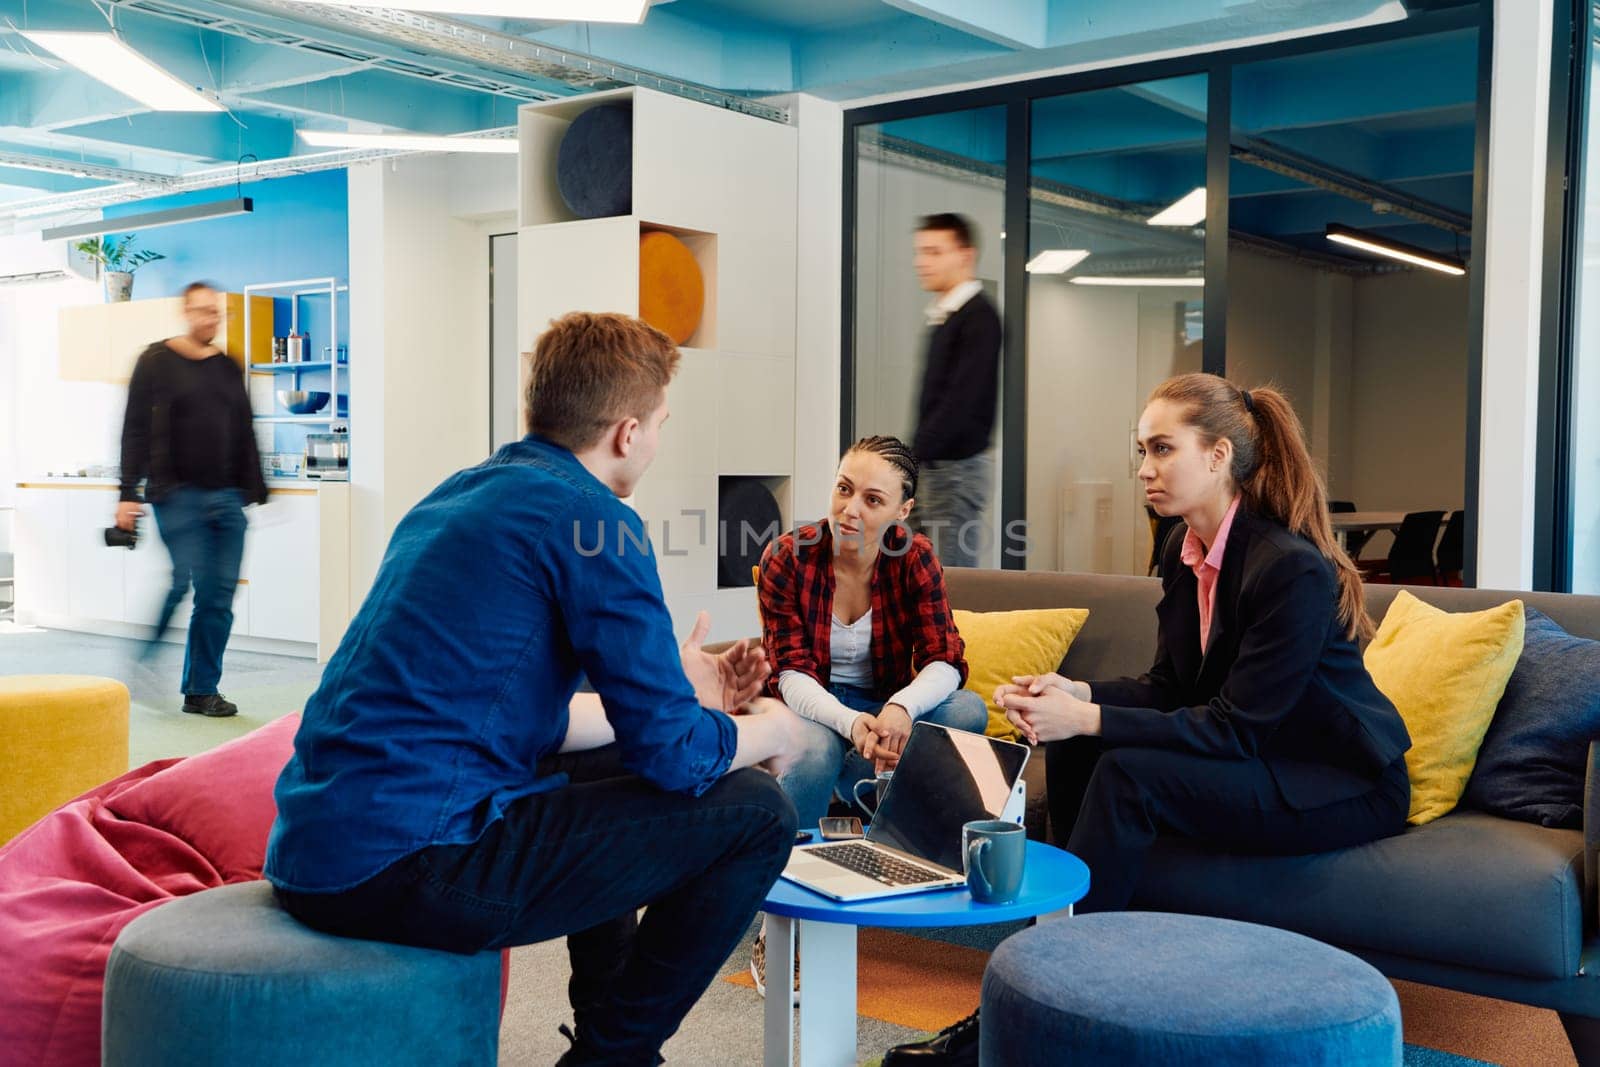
[
  {"x": 149, "y": 220},
  {"x": 540, "y": 10},
  {"x": 105, "y": 58},
  {"x": 1091, "y": 279},
  {"x": 1189, "y": 210},
  {"x": 414, "y": 142},
  {"x": 1056, "y": 260},
  {"x": 1385, "y": 246}
]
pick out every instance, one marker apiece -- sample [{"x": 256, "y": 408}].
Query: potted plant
[{"x": 118, "y": 259}]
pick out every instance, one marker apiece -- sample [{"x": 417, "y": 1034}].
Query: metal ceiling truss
[
  {"x": 79, "y": 169},
  {"x": 281, "y": 33},
  {"x": 209, "y": 178},
  {"x": 1381, "y": 198},
  {"x": 436, "y": 49}
]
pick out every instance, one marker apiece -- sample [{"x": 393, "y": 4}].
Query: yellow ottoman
[{"x": 60, "y": 735}]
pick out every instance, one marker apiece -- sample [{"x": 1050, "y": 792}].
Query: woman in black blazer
[
  {"x": 1264, "y": 733},
  {"x": 1260, "y": 731}
]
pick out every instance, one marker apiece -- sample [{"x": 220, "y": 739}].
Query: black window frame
[{"x": 1018, "y": 96}]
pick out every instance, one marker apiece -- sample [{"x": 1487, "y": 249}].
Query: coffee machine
[{"x": 328, "y": 455}]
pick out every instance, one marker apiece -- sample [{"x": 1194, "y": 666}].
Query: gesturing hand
[{"x": 725, "y": 681}]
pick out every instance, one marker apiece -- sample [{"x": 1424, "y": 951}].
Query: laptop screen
[{"x": 945, "y": 778}]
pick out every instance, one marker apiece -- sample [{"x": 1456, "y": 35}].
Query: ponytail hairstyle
[
  {"x": 900, "y": 457},
  {"x": 1272, "y": 468}
]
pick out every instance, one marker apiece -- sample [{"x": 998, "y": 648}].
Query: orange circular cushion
[{"x": 672, "y": 292}]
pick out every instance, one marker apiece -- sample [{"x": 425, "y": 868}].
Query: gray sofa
[{"x": 1469, "y": 902}]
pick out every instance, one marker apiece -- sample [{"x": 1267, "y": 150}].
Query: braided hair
[{"x": 899, "y": 456}]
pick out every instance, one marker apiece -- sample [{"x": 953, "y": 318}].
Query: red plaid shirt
[{"x": 911, "y": 623}]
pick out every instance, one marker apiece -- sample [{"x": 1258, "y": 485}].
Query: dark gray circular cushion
[
  {"x": 749, "y": 513},
  {"x": 594, "y": 166}
]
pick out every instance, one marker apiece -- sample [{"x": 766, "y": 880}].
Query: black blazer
[
  {"x": 1279, "y": 679},
  {"x": 960, "y": 383}
]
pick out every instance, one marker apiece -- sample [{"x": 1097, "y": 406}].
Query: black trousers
[
  {"x": 579, "y": 862},
  {"x": 1110, "y": 805}
]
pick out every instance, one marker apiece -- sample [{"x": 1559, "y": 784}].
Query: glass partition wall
[
  {"x": 907, "y": 170},
  {"x": 1179, "y": 216},
  {"x": 1116, "y": 285}
]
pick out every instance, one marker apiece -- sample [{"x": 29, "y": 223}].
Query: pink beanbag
[{"x": 73, "y": 880}]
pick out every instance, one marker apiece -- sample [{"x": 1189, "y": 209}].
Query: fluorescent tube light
[
  {"x": 1090, "y": 279},
  {"x": 1056, "y": 260},
  {"x": 1190, "y": 210},
  {"x": 217, "y": 209},
  {"x": 1384, "y": 246},
  {"x": 105, "y": 58},
  {"x": 540, "y": 10},
  {"x": 413, "y": 142}
]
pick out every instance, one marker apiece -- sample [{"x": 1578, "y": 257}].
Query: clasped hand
[
  {"x": 1048, "y": 707},
  {"x": 881, "y": 738}
]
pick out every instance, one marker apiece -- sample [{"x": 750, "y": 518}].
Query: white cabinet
[
  {"x": 95, "y": 578},
  {"x": 146, "y": 577},
  {"x": 39, "y": 527},
  {"x": 293, "y": 580},
  {"x": 281, "y": 561}
]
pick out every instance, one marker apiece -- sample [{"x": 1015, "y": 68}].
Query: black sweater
[
  {"x": 955, "y": 415},
  {"x": 188, "y": 423}
]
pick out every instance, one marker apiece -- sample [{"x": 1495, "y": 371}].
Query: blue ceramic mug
[{"x": 993, "y": 854}]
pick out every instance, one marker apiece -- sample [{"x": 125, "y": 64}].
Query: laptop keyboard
[{"x": 879, "y": 866}]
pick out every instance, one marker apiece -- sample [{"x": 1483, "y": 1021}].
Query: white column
[
  {"x": 1513, "y": 249},
  {"x": 819, "y": 277}
]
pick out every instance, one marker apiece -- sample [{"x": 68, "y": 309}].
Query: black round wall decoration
[
  {"x": 749, "y": 518},
  {"x": 594, "y": 165}
]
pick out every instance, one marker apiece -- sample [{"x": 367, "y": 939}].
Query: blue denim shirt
[{"x": 498, "y": 590}]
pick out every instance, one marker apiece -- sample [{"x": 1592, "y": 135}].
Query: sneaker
[
  {"x": 954, "y": 1046},
  {"x": 211, "y": 705},
  {"x": 758, "y": 966}
]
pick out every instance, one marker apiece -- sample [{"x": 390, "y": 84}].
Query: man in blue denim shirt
[{"x": 426, "y": 801}]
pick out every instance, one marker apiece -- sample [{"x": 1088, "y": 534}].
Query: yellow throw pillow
[
  {"x": 1001, "y": 644},
  {"x": 1445, "y": 673}
]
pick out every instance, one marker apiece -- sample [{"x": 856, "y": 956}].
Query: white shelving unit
[
  {"x": 725, "y": 184},
  {"x": 295, "y": 291}
]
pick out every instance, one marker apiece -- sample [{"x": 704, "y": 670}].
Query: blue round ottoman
[
  {"x": 1147, "y": 988},
  {"x": 228, "y": 977}
]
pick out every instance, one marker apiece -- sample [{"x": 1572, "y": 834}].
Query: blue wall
[{"x": 299, "y": 229}]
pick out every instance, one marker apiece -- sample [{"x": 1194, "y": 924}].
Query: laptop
[{"x": 944, "y": 780}]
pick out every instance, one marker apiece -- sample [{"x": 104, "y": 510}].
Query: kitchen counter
[
  {"x": 293, "y": 595},
  {"x": 72, "y": 481}
]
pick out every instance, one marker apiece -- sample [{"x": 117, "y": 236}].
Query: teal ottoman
[
  {"x": 1135, "y": 988},
  {"x": 228, "y": 977}
]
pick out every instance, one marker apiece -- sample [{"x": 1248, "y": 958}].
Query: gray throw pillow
[{"x": 1532, "y": 762}]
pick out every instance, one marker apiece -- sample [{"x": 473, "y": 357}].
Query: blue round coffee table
[{"x": 1053, "y": 881}]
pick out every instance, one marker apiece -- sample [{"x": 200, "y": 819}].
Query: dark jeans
[
  {"x": 580, "y": 861},
  {"x": 204, "y": 532},
  {"x": 1115, "y": 802}
]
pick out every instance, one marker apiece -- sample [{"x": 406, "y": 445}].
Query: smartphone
[{"x": 840, "y": 829}]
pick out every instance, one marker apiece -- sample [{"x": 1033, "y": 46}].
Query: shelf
[
  {"x": 308, "y": 419},
  {"x": 268, "y": 369}
]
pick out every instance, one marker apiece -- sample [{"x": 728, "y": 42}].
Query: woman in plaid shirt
[{"x": 857, "y": 627}]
